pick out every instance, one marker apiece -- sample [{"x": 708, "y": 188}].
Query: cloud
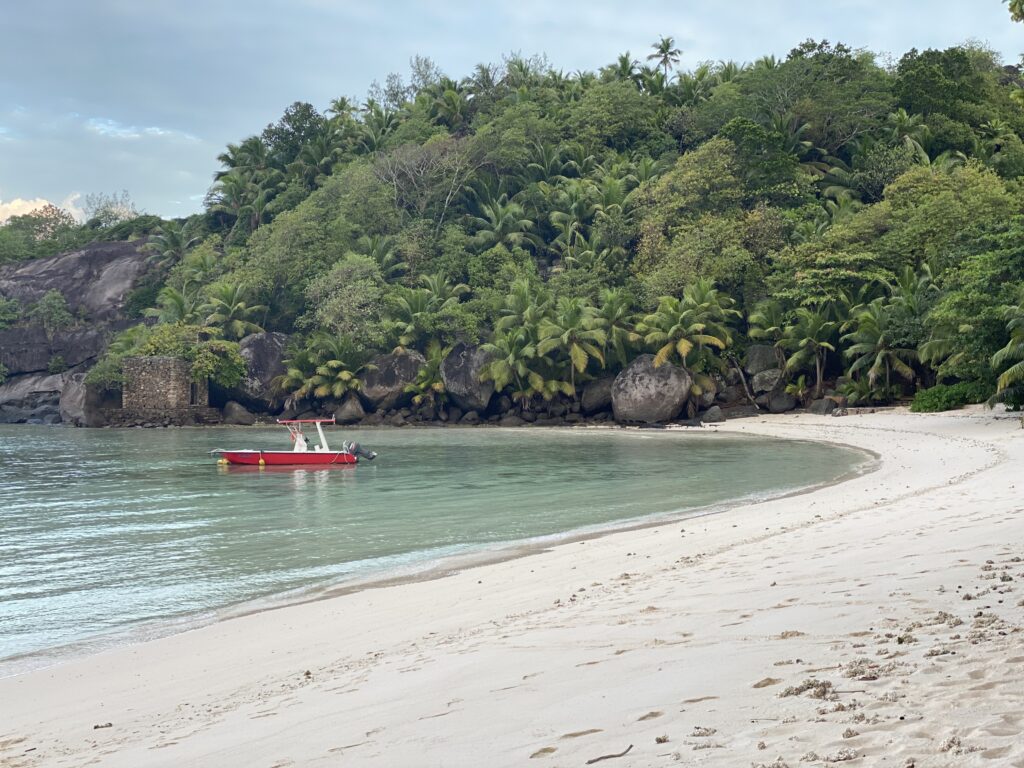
[
  {"x": 115, "y": 130},
  {"x": 19, "y": 207}
]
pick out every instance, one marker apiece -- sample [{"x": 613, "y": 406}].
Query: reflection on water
[{"x": 103, "y": 529}]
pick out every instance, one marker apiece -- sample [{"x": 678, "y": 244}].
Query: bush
[
  {"x": 3, "y": 373},
  {"x": 51, "y": 312},
  {"x": 946, "y": 397},
  {"x": 56, "y": 365},
  {"x": 10, "y": 311}
]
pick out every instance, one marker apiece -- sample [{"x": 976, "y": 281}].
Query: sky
[{"x": 99, "y": 96}]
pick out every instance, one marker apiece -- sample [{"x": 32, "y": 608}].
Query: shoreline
[
  {"x": 430, "y": 569},
  {"x": 619, "y": 638}
]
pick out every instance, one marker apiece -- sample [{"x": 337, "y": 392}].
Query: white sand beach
[{"x": 873, "y": 622}]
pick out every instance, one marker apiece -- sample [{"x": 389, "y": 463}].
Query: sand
[{"x": 873, "y": 622}]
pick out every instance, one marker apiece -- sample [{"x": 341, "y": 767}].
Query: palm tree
[
  {"x": 315, "y": 160},
  {"x": 576, "y": 330},
  {"x": 909, "y": 130},
  {"x": 616, "y": 317},
  {"x": 414, "y": 308},
  {"x": 339, "y": 362},
  {"x": 624, "y": 68},
  {"x": 665, "y": 53},
  {"x": 428, "y": 386},
  {"x": 691, "y": 88},
  {"x": 451, "y": 108},
  {"x": 1013, "y": 352},
  {"x": 297, "y": 380},
  {"x": 913, "y": 289},
  {"x": 512, "y": 353},
  {"x": 686, "y": 328},
  {"x": 228, "y": 311},
  {"x": 768, "y": 322},
  {"x": 871, "y": 347},
  {"x": 171, "y": 243},
  {"x": 810, "y": 340},
  {"x": 381, "y": 248},
  {"x": 502, "y": 223},
  {"x": 175, "y": 306},
  {"x": 525, "y": 307}
]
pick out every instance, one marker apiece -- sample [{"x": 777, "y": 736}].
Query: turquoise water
[{"x": 108, "y": 532}]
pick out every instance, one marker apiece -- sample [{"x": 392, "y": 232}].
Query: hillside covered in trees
[{"x": 864, "y": 220}]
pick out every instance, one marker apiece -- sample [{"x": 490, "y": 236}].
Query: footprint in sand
[
  {"x": 544, "y": 752},
  {"x": 650, "y": 715},
  {"x": 577, "y": 734}
]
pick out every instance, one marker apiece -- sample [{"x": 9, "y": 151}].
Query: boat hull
[{"x": 289, "y": 458}]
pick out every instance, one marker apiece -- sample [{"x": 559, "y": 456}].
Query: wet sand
[{"x": 873, "y": 622}]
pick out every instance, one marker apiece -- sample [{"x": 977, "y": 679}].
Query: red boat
[{"x": 301, "y": 454}]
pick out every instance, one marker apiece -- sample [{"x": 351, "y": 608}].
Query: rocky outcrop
[
  {"x": 760, "y": 357},
  {"x": 460, "y": 372},
  {"x": 264, "y": 355},
  {"x": 822, "y": 407},
  {"x": 237, "y": 414},
  {"x": 384, "y": 385},
  {"x": 766, "y": 381},
  {"x": 95, "y": 280},
  {"x": 778, "y": 401},
  {"x": 28, "y": 350},
  {"x": 72, "y": 400},
  {"x": 597, "y": 395},
  {"x": 712, "y": 415},
  {"x": 31, "y": 399},
  {"x": 645, "y": 394},
  {"x": 350, "y": 411}
]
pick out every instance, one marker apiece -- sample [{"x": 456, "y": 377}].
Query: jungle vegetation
[{"x": 864, "y": 219}]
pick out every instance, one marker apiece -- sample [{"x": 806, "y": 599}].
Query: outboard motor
[{"x": 357, "y": 450}]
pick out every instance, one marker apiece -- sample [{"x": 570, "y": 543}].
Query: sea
[{"x": 113, "y": 536}]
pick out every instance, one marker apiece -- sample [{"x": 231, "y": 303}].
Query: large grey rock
[
  {"x": 384, "y": 386},
  {"x": 765, "y": 381},
  {"x": 822, "y": 407},
  {"x": 350, "y": 411},
  {"x": 264, "y": 355},
  {"x": 760, "y": 357},
  {"x": 597, "y": 395},
  {"x": 712, "y": 415},
  {"x": 643, "y": 393},
  {"x": 72, "y": 400},
  {"x": 729, "y": 395},
  {"x": 30, "y": 397},
  {"x": 460, "y": 372},
  {"x": 95, "y": 280},
  {"x": 28, "y": 350},
  {"x": 780, "y": 402},
  {"x": 238, "y": 414}
]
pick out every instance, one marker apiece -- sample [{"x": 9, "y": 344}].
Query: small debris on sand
[{"x": 815, "y": 689}]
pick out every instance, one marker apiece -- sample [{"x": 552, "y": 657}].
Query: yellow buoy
[
  {"x": 222, "y": 462},
  {"x": 262, "y": 462}
]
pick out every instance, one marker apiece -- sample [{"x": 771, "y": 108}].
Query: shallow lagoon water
[{"x": 106, "y": 532}]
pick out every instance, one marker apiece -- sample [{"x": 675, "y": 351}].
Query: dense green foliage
[
  {"x": 865, "y": 221},
  {"x": 946, "y": 397}
]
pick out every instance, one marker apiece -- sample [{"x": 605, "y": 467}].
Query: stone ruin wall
[{"x": 160, "y": 391}]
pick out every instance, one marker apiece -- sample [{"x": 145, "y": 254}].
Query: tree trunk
[{"x": 817, "y": 375}]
